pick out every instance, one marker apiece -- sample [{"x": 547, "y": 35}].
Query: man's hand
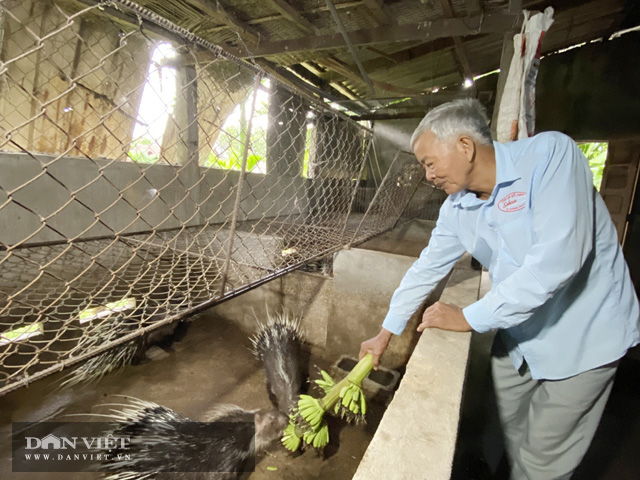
[
  {"x": 445, "y": 317},
  {"x": 376, "y": 346}
]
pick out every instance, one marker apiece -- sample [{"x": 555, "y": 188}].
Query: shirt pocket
[{"x": 516, "y": 238}]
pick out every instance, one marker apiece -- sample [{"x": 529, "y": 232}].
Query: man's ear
[{"x": 467, "y": 147}]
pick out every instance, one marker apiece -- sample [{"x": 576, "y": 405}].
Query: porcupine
[
  {"x": 278, "y": 345},
  {"x": 157, "y": 446},
  {"x": 128, "y": 353}
]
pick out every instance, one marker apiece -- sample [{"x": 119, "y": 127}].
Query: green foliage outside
[
  {"x": 142, "y": 151},
  {"x": 229, "y": 148},
  {"x": 596, "y": 154},
  {"x": 233, "y": 162}
]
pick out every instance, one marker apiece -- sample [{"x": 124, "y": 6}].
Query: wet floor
[{"x": 211, "y": 365}]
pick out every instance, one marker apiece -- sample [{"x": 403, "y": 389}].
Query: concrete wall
[
  {"x": 61, "y": 95},
  {"x": 337, "y": 313},
  {"x": 340, "y": 312},
  {"x": 364, "y": 283},
  {"x": 389, "y": 136},
  {"x": 309, "y": 297},
  {"x": 301, "y": 295},
  {"x": 128, "y": 197},
  {"x": 591, "y": 92}
]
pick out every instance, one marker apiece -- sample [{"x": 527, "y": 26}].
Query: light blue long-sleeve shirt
[{"x": 561, "y": 290}]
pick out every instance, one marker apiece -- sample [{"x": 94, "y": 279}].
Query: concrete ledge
[{"x": 417, "y": 435}]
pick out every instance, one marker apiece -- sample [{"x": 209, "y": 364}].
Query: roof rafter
[
  {"x": 216, "y": 9},
  {"x": 354, "y": 53},
  {"x": 346, "y": 71},
  {"x": 457, "y": 42},
  {"x": 399, "y": 58},
  {"x": 380, "y": 11},
  {"x": 280, "y": 16},
  {"x": 304, "y": 88},
  {"x": 318, "y": 82},
  {"x": 474, "y": 7},
  {"x": 380, "y": 53},
  {"x": 408, "y": 55},
  {"x": 413, "y": 108},
  {"x": 293, "y": 15},
  {"x": 446, "y": 27}
]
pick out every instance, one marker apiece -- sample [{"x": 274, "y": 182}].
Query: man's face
[{"x": 446, "y": 164}]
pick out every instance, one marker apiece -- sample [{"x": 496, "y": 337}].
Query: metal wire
[{"x": 145, "y": 176}]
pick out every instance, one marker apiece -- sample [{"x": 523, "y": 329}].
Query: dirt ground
[{"x": 212, "y": 364}]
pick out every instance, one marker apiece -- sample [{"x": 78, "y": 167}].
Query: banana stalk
[{"x": 307, "y": 424}]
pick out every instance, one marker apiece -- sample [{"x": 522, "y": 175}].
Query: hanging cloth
[{"x": 517, "y": 111}]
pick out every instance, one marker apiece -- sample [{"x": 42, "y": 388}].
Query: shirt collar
[{"x": 506, "y": 174}]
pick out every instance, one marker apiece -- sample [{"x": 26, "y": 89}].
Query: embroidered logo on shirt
[{"x": 513, "y": 202}]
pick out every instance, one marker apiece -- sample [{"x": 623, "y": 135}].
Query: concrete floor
[{"x": 211, "y": 364}]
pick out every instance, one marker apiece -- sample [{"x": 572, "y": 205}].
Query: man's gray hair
[{"x": 465, "y": 116}]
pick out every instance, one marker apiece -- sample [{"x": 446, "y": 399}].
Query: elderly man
[{"x": 561, "y": 299}]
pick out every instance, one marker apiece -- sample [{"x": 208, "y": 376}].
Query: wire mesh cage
[
  {"x": 424, "y": 204},
  {"x": 145, "y": 174}
]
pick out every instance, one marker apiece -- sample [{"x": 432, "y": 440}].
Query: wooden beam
[
  {"x": 462, "y": 58},
  {"x": 310, "y": 76},
  {"x": 379, "y": 11},
  {"x": 426, "y": 31},
  {"x": 457, "y": 43},
  {"x": 382, "y": 54},
  {"x": 447, "y": 8},
  {"x": 303, "y": 88},
  {"x": 514, "y": 6},
  {"x": 214, "y": 8},
  {"x": 403, "y": 56},
  {"x": 347, "y": 72},
  {"x": 419, "y": 106},
  {"x": 474, "y": 7},
  {"x": 352, "y": 49},
  {"x": 293, "y": 15},
  {"x": 389, "y": 116}
]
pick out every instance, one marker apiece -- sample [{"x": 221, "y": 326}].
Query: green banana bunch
[
  {"x": 306, "y": 422},
  {"x": 290, "y": 439},
  {"x": 310, "y": 410},
  {"x": 318, "y": 438},
  {"x": 353, "y": 399},
  {"x": 326, "y": 383}
]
